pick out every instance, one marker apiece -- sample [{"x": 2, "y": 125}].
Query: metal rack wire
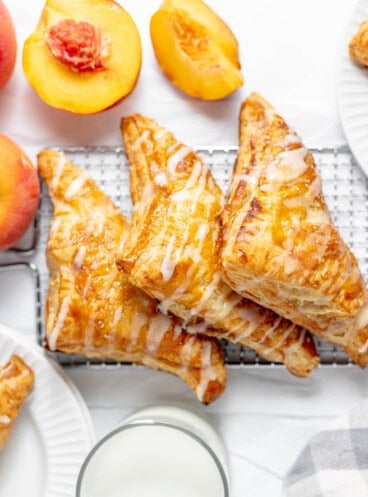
[{"x": 345, "y": 188}]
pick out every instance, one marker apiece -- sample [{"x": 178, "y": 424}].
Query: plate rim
[
  {"x": 347, "y": 66},
  {"x": 39, "y": 355}
]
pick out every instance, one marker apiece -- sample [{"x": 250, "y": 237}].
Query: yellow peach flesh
[
  {"x": 84, "y": 92},
  {"x": 196, "y": 49}
]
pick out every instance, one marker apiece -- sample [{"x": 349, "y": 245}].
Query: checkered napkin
[{"x": 335, "y": 461}]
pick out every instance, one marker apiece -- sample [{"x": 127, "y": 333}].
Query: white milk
[{"x": 144, "y": 458}]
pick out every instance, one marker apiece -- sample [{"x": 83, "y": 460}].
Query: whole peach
[
  {"x": 19, "y": 192},
  {"x": 8, "y": 45}
]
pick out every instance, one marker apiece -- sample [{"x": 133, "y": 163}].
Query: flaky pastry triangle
[
  {"x": 16, "y": 380},
  {"x": 172, "y": 251},
  {"x": 91, "y": 307},
  {"x": 280, "y": 247}
]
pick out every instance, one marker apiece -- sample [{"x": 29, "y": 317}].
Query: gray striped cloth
[{"x": 335, "y": 461}]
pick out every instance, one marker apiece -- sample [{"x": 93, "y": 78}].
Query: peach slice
[
  {"x": 196, "y": 49},
  {"x": 19, "y": 192},
  {"x": 8, "y": 45},
  {"x": 84, "y": 56}
]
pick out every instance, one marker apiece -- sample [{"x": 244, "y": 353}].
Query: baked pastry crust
[
  {"x": 358, "y": 46},
  {"x": 16, "y": 380},
  {"x": 280, "y": 246},
  {"x": 172, "y": 251},
  {"x": 91, "y": 308}
]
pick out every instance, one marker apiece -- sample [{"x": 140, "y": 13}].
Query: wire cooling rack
[{"x": 345, "y": 188}]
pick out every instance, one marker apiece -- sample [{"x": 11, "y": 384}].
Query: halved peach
[
  {"x": 196, "y": 49},
  {"x": 84, "y": 56},
  {"x": 8, "y": 45},
  {"x": 19, "y": 192}
]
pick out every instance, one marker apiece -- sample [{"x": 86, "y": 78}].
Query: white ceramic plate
[
  {"x": 51, "y": 436},
  {"x": 352, "y": 92}
]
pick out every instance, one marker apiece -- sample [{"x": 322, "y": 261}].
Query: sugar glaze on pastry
[
  {"x": 91, "y": 307},
  {"x": 172, "y": 251}
]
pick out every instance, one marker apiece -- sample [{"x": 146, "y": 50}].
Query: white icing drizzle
[
  {"x": 198, "y": 170},
  {"x": 107, "y": 285},
  {"x": 208, "y": 372},
  {"x": 291, "y": 265},
  {"x": 362, "y": 318},
  {"x": 63, "y": 311},
  {"x": 138, "y": 321},
  {"x": 202, "y": 233},
  {"x": 141, "y": 138},
  {"x": 317, "y": 216},
  {"x": 87, "y": 286},
  {"x": 79, "y": 258},
  {"x": 272, "y": 328},
  {"x": 5, "y": 419},
  {"x": 168, "y": 265},
  {"x": 186, "y": 354},
  {"x": 117, "y": 316},
  {"x": 160, "y": 133},
  {"x": 175, "y": 159},
  {"x": 181, "y": 196},
  {"x": 170, "y": 300},
  {"x": 197, "y": 327},
  {"x": 284, "y": 336},
  {"x": 229, "y": 301},
  {"x": 123, "y": 239},
  {"x": 55, "y": 225},
  {"x": 75, "y": 186},
  {"x": 99, "y": 222},
  {"x": 88, "y": 335},
  {"x": 177, "y": 331},
  {"x": 206, "y": 294},
  {"x": 160, "y": 179},
  {"x": 251, "y": 318},
  {"x": 364, "y": 348},
  {"x": 146, "y": 198},
  {"x": 157, "y": 329},
  {"x": 59, "y": 169},
  {"x": 287, "y": 166},
  {"x": 297, "y": 344},
  {"x": 270, "y": 114},
  {"x": 290, "y": 139}
]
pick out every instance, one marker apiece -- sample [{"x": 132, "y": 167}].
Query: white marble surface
[{"x": 289, "y": 52}]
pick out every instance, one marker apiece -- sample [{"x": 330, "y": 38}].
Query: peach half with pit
[
  {"x": 19, "y": 192},
  {"x": 196, "y": 49},
  {"x": 84, "y": 56},
  {"x": 8, "y": 45}
]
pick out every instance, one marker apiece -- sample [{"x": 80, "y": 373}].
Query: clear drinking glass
[{"x": 160, "y": 451}]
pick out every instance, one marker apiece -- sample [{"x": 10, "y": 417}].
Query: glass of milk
[{"x": 160, "y": 451}]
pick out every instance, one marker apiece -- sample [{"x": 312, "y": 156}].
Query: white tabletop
[{"x": 289, "y": 52}]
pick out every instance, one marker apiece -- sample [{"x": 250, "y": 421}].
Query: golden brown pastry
[
  {"x": 281, "y": 248},
  {"x": 91, "y": 307},
  {"x": 358, "y": 46},
  {"x": 172, "y": 251},
  {"x": 16, "y": 380}
]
